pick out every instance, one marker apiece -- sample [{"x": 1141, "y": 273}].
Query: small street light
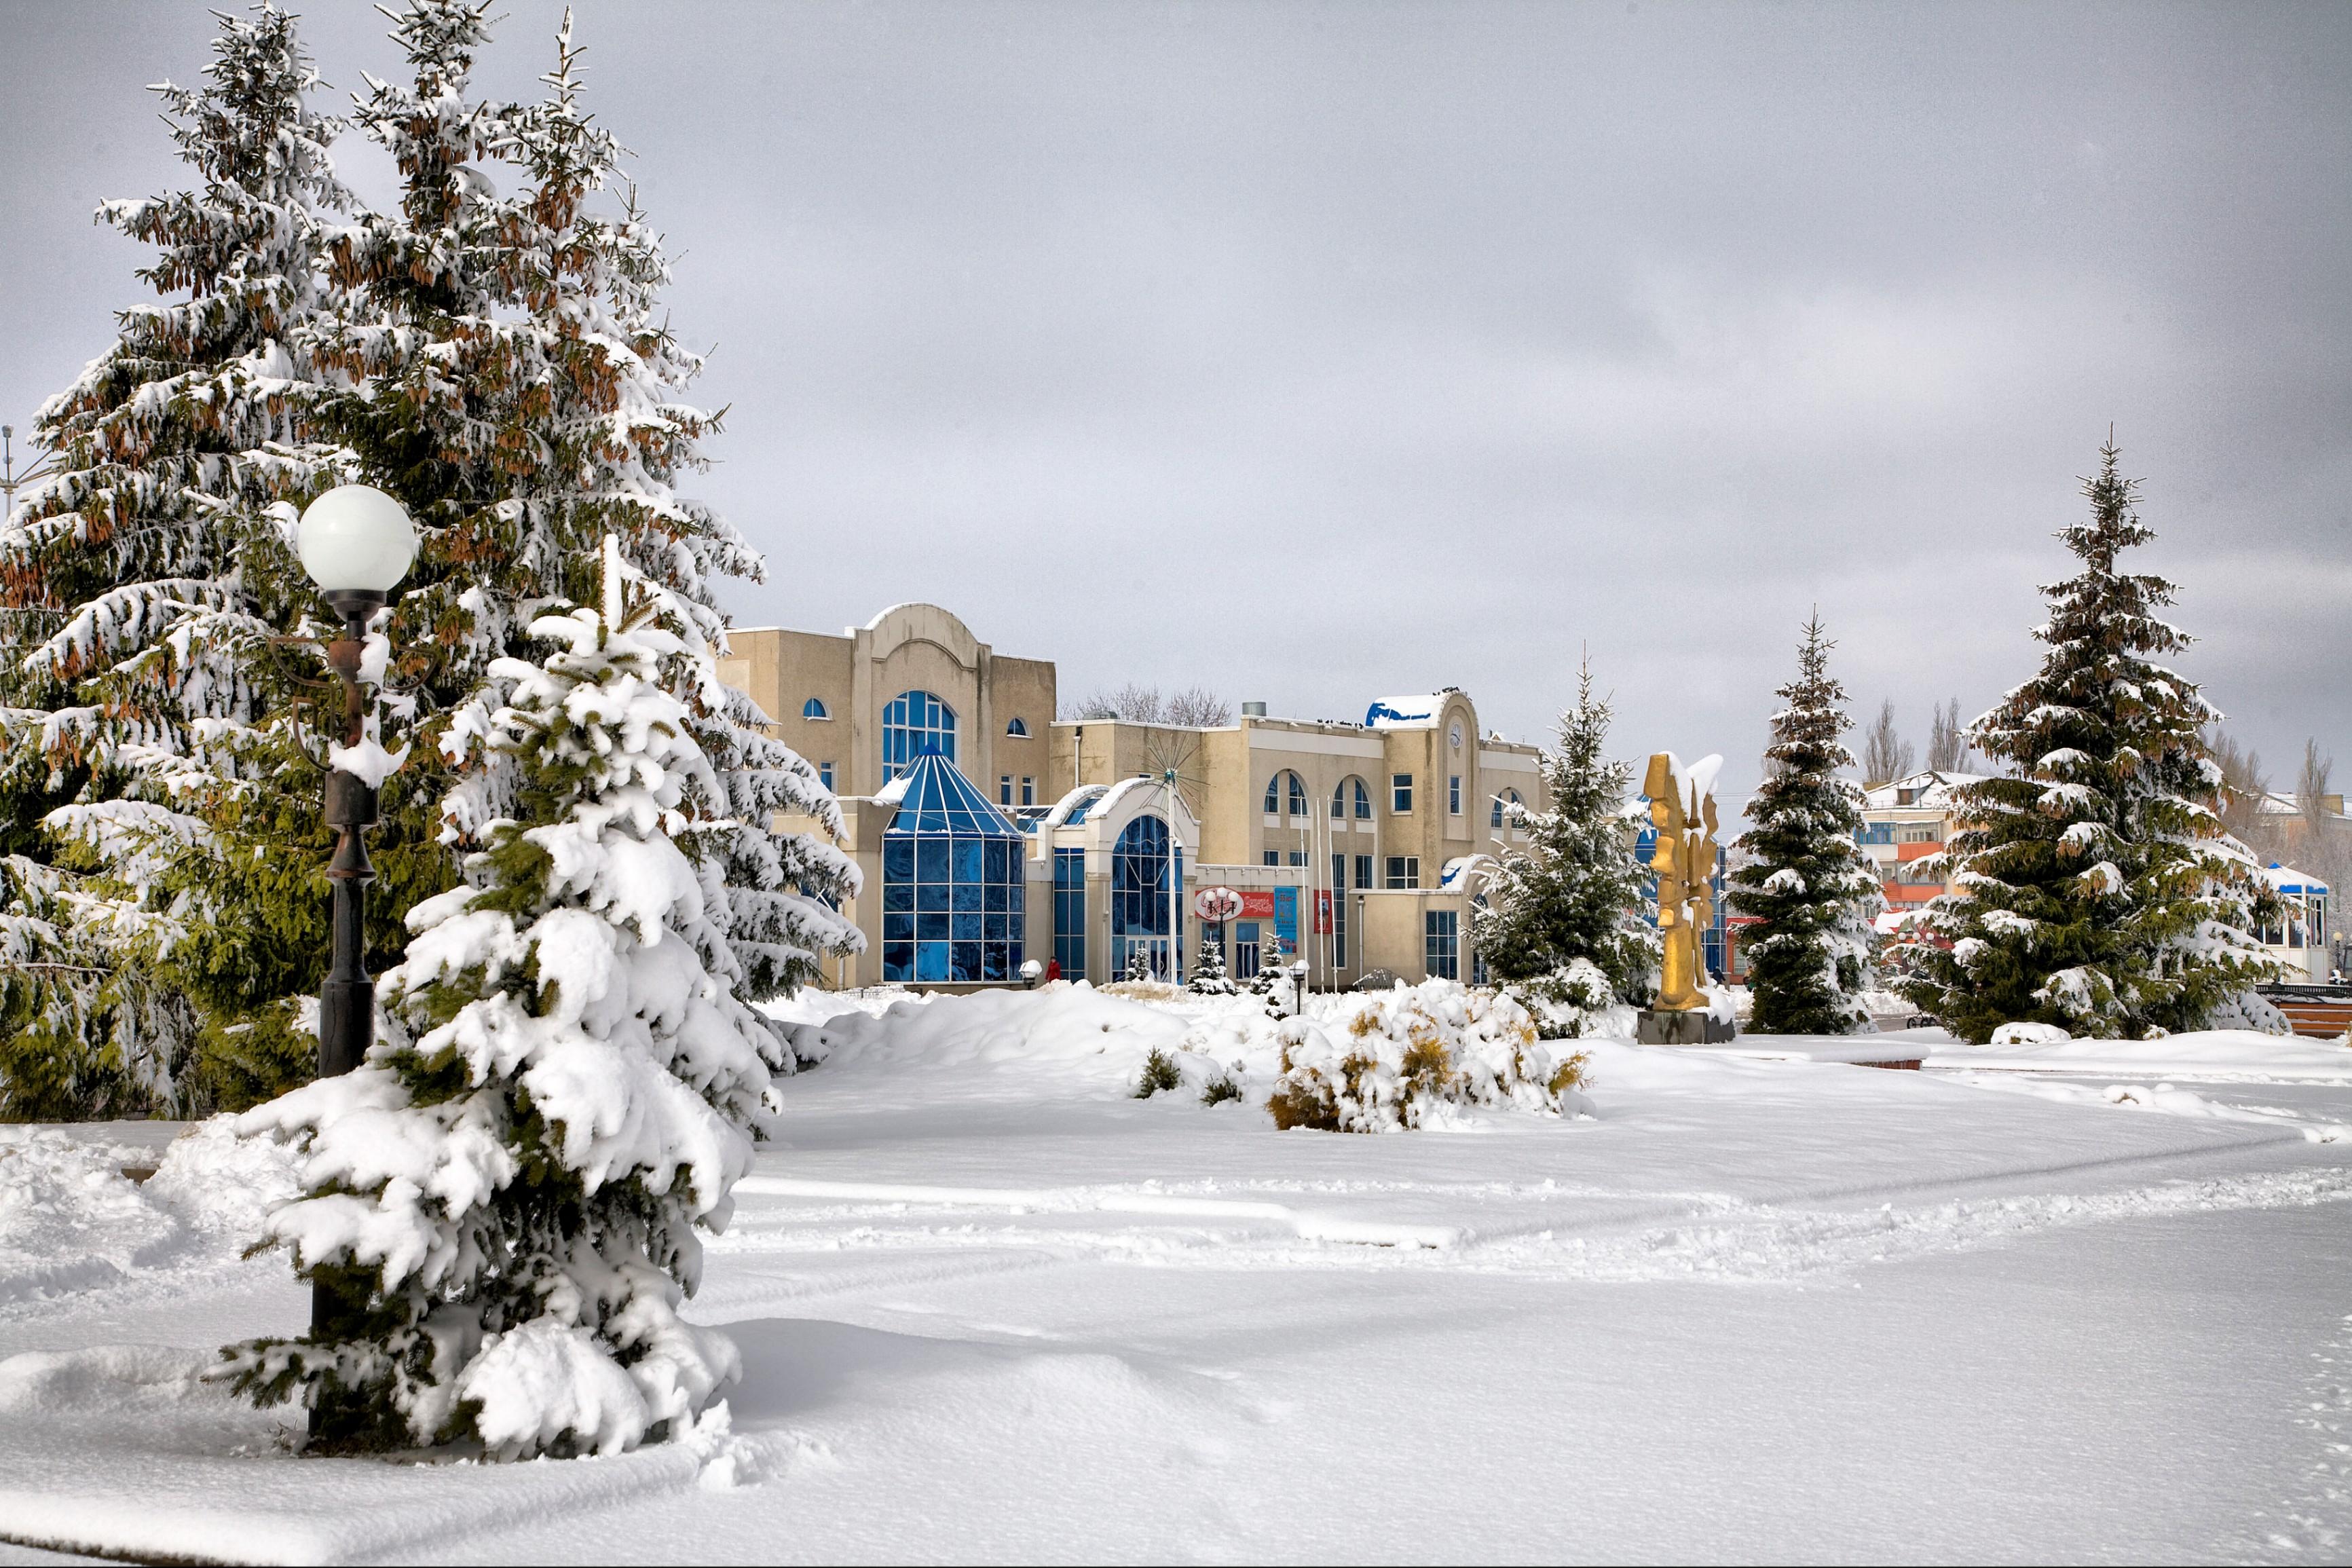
[
  {"x": 10, "y": 479},
  {"x": 357, "y": 544}
]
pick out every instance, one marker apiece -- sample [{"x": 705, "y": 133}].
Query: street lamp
[{"x": 357, "y": 544}]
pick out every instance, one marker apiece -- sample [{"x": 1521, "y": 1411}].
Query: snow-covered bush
[
  {"x": 1209, "y": 976},
  {"x": 508, "y": 1189},
  {"x": 2030, "y": 1034},
  {"x": 1575, "y": 1001},
  {"x": 1386, "y": 1062},
  {"x": 1160, "y": 1074}
]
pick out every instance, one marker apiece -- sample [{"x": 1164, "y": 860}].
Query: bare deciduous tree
[
  {"x": 1886, "y": 755},
  {"x": 2242, "y": 789},
  {"x": 1948, "y": 739},
  {"x": 1194, "y": 707}
]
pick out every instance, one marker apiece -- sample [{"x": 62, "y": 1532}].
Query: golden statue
[{"x": 1682, "y": 807}]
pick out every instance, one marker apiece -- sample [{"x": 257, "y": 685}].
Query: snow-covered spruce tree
[
  {"x": 569, "y": 1084},
  {"x": 1209, "y": 976},
  {"x": 141, "y": 696},
  {"x": 1803, "y": 875},
  {"x": 1561, "y": 928},
  {"x": 2093, "y": 887},
  {"x": 518, "y": 389}
]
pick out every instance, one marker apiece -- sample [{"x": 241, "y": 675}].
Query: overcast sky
[{"x": 1314, "y": 353}]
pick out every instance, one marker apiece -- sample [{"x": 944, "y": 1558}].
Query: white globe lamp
[{"x": 356, "y": 539}]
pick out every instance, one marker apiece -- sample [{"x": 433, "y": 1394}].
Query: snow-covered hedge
[{"x": 1391, "y": 1059}]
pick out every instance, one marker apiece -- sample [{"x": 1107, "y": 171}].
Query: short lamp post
[{"x": 357, "y": 544}]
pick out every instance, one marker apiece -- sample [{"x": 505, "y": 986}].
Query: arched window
[
  {"x": 1339, "y": 802},
  {"x": 914, "y": 723},
  {"x": 1363, "y": 802},
  {"x": 814, "y": 709},
  {"x": 1142, "y": 862},
  {"x": 1503, "y": 801},
  {"x": 1284, "y": 788},
  {"x": 1017, "y": 729}
]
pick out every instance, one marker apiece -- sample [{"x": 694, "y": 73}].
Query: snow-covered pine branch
[{"x": 569, "y": 1086}]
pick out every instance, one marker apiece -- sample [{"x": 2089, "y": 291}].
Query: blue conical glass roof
[{"x": 937, "y": 798}]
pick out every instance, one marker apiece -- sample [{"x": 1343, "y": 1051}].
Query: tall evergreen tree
[
  {"x": 2094, "y": 888},
  {"x": 1562, "y": 926},
  {"x": 500, "y": 364},
  {"x": 528, "y": 401},
  {"x": 568, "y": 1087},
  {"x": 1801, "y": 874},
  {"x": 141, "y": 588}
]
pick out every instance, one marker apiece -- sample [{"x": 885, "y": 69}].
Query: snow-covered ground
[{"x": 2025, "y": 1304}]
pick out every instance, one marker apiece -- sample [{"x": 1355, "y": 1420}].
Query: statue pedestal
[{"x": 1694, "y": 1028}]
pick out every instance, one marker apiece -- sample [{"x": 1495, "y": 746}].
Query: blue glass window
[
  {"x": 1141, "y": 865},
  {"x": 1070, "y": 912},
  {"x": 912, "y": 723},
  {"x": 1363, "y": 802},
  {"x": 1440, "y": 945},
  {"x": 814, "y": 708},
  {"x": 825, "y": 774},
  {"x": 1018, "y": 729},
  {"x": 952, "y": 872},
  {"x": 1339, "y": 912},
  {"x": 1401, "y": 792}
]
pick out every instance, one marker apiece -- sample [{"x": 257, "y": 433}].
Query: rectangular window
[
  {"x": 1273, "y": 858},
  {"x": 1070, "y": 912},
  {"x": 1005, "y": 789},
  {"x": 1028, "y": 790},
  {"x": 825, "y": 774},
  {"x": 1339, "y": 912},
  {"x": 1454, "y": 794},
  {"x": 1245, "y": 950},
  {"x": 1404, "y": 872},
  {"x": 1441, "y": 945},
  {"x": 1298, "y": 857},
  {"x": 1364, "y": 871},
  {"x": 1400, "y": 793}
]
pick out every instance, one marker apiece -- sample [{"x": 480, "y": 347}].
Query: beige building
[{"x": 1349, "y": 846}]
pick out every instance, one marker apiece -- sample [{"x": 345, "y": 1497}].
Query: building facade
[{"x": 1352, "y": 848}]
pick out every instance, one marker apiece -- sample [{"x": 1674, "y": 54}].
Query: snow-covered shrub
[
  {"x": 2249, "y": 1010},
  {"x": 508, "y": 1189},
  {"x": 1209, "y": 976},
  {"x": 1386, "y": 1062},
  {"x": 1574, "y": 1002},
  {"x": 1159, "y": 1073},
  {"x": 2030, "y": 1034}
]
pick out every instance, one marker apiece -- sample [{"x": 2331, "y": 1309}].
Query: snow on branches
[
  {"x": 569, "y": 1086},
  {"x": 1803, "y": 876},
  {"x": 1562, "y": 926},
  {"x": 2093, "y": 887}
]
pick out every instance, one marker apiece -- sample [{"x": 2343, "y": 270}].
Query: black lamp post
[{"x": 357, "y": 544}]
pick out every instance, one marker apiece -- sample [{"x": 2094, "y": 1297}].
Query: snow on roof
[
  {"x": 1930, "y": 786},
  {"x": 1459, "y": 869},
  {"x": 1072, "y": 809},
  {"x": 2287, "y": 879},
  {"x": 1405, "y": 712}
]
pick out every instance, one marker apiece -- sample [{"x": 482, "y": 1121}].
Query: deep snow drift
[{"x": 990, "y": 1304}]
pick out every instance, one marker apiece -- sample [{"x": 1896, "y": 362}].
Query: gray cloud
[{"x": 1316, "y": 352}]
